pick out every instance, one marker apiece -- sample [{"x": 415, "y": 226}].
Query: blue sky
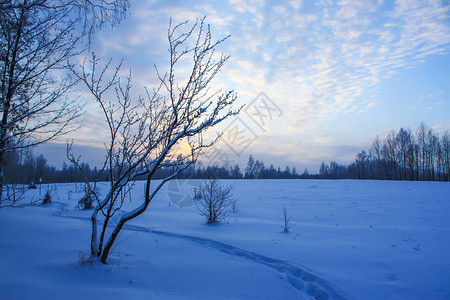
[{"x": 337, "y": 72}]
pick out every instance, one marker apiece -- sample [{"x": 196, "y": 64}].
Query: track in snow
[{"x": 303, "y": 281}]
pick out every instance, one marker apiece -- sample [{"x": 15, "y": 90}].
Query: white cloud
[{"x": 317, "y": 60}]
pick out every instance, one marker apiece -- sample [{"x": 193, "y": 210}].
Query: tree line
[
  {"x": 405, "y": 155},
  {"x": 402, "y": 155},
  {"x": 24, "y": 167}
]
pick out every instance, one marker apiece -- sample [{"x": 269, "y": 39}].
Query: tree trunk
[
  {"x": 95, "y": 251},
  {"x": 111, "y": 240},
  {"x": 2, "y": 177},
  {"x": 115, "y": 233}
]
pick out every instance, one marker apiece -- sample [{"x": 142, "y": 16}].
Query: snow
[{"x": 349, "y": 240}]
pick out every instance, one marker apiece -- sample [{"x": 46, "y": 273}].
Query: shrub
[
  {"x": 286, "y": 220},
  {"x": 87, "y": 202},
  {"x": 85, "y": 259},
  {"x": 213, "y": 200},
  {"x": 47, "y": 197}
]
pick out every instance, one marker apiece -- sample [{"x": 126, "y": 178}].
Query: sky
[{"x": 319, "y": 79}]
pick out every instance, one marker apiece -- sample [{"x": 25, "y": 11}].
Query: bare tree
[
  {"x": 389, "y": 155},
  {"x": 439, "y": 159},
  {"x": 286, "y": 220},
  {"x": 250, "y": 169},
  {"x": 433, "y": 145},
  {"x": 413, "y": 158},
  {"x": 144, "y": 134},
  {"x": 445, "y": 142},
  {"x": 421, "y": 134},
  {"x": 403, "y": 141},
  {"x": 213, "y": 200},
  {"x": 361, "y": 163},
  {"x": 37, "y": 37},
  {"x": 324, "y": 170},
  {"x": 375, "y": 154}
]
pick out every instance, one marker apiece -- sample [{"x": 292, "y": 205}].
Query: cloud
[{"x": 317, "y": 60}]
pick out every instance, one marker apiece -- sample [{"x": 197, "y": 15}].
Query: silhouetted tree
[
  {"x": 37, "y": 38},
  {"x": 145, "y": 134},
  {"x": 445, "y": 142},
  {"x": 250, "y": 169}
]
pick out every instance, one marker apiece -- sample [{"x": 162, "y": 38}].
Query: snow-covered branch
[{"x": 145, "y": 133}]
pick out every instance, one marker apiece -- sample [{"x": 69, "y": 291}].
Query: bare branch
[
  {"x": 37, "y": 39},
  {"x": 144, "y": 133}
]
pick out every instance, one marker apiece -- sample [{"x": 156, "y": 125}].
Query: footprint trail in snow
[{"x": 303, "y": 281}]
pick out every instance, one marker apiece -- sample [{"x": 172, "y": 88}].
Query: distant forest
[{"x": 403, "y": 155}]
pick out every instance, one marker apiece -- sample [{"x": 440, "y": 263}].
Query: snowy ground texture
[{"x": 349, "y": 240}]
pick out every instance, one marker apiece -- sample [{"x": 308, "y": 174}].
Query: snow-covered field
[{"x": 349, "y": 240}]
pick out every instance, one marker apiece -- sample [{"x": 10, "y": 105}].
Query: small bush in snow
[
  {"x": 234, "y": 205},
  {"x": 87, "y": 202},
  {"x": 213, "y": 200},
  {"x": 85, "y": 260},
  {"x": 47, "y": 197},
  {"x": 286, "y": 220}
]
